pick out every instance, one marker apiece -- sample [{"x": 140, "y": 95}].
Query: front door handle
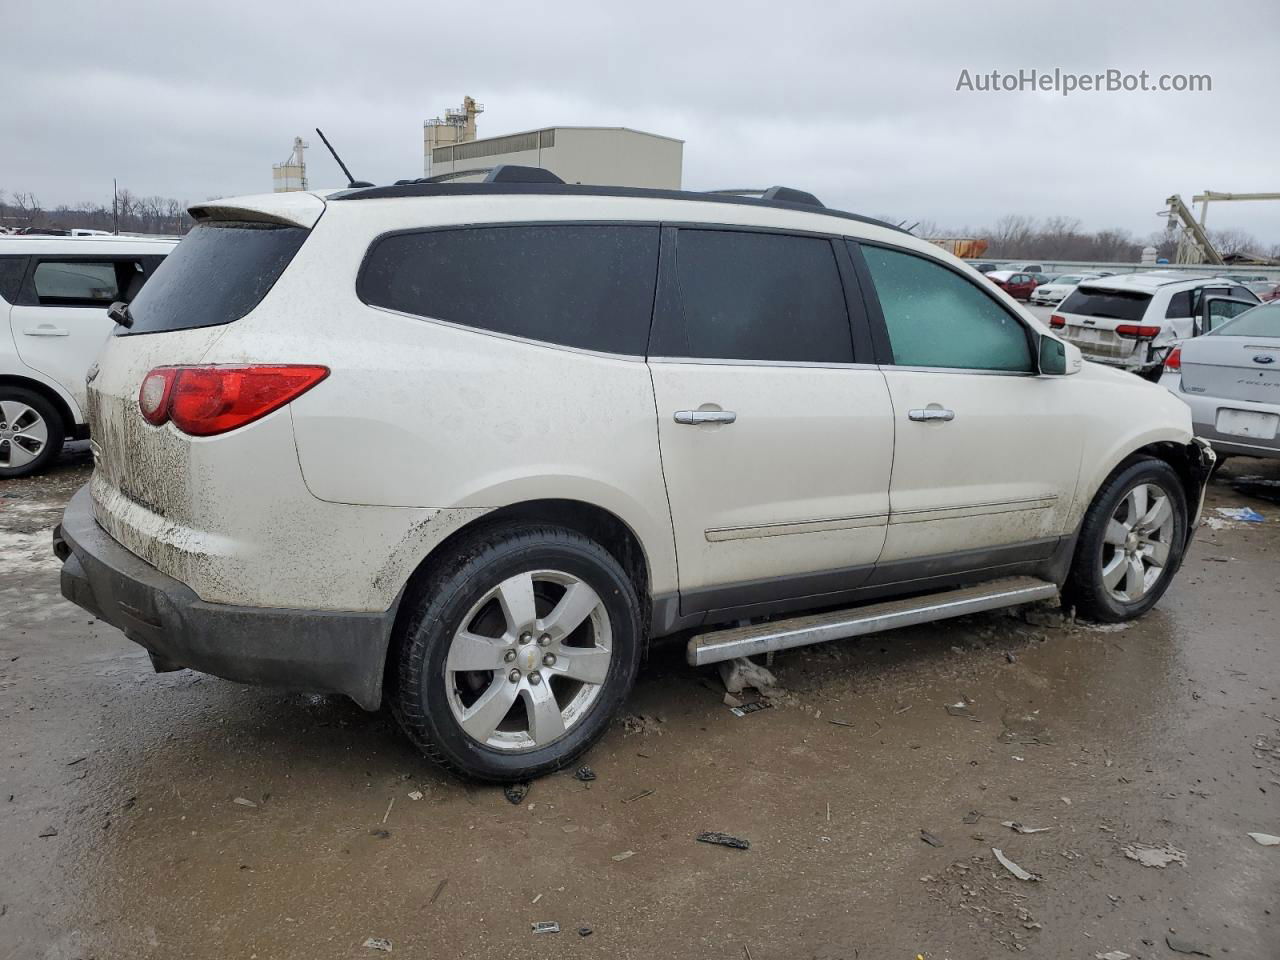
[
  {"x": 931, "y": 412},
  {"x": 705, "y": 416},
  {"x": 46, "y": 330}
]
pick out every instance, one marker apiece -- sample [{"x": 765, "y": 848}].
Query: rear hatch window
[
  {"x": 1106, "y": 304},
  {"x": 218, "y": 273}
]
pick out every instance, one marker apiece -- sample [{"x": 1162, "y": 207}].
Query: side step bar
[{"x": 857, "y": 621}]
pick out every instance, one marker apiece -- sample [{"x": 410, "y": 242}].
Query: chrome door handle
[
  {"x": 931, "y": 413},
  {"x": 705, "y": 416},
  {"x": 45, "y": 330}
]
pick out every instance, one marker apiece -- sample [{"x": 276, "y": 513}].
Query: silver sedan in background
[{"x": 1230, "y": 377}]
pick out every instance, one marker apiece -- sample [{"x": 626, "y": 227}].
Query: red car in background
[
  {"x": 1265, "y": 289},
  {"x": 1017, "y": 285}
]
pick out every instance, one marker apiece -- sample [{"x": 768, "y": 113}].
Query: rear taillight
[
  {"x": 1174, "y": 360},
  {"x": 1137, "y": 331},
  {"x": 203, "y": 401},
  {"x": 1057, "y": 321}
]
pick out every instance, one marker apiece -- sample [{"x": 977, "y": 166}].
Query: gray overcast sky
[{"x": 855, "y": 101}]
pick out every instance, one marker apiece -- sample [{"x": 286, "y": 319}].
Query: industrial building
[
  {"x": 291, "y": 175},
  {"x": 617, "y": 156}
]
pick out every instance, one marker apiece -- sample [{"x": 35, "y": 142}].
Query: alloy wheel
[
  {"x": 23, "y": 434},
  {"x": 1137, "y": 543},
  {"x": 529, "y": 660}
]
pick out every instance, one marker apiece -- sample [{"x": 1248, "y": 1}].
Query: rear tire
[
  {"x": 31, "y": 432},
  {"x": 514, "y": 657},
  {"x": 1131, "y": 543}
]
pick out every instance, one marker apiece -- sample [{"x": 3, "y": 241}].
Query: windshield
[
  {"x": 1263, "y": 321},
  {"x": 1108, "y": 304}
]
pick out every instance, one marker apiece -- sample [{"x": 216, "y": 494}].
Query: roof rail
[
  {"x": 779, "y": 193},
  {"x": 514, "y": 173}
]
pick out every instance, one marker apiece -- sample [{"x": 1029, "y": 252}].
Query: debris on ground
[
  {"x": 1243, "y": 514},
  {"x": 747, "y": 708},
  {"x": 1266, "y": 839},
  {"x": 731, "y": 701},
  {"x": 619, "y": 857},
  {"x": 516, "y": 792},
  {"x": 1016, "y": 827},
  {"x": 723, "y": 840},
  {"x": 1012, "y": 867},
  {"x": 972, "y": 817},
  {"x": 1042, "y": 617},
  {"x": 380, "y": 833},
  {"x": 584, "y": 931},
  {"x": 545, "y": 926},
  {"x": 415, "y": 794},
  {"x": 244, "y": 802},
  {"x": 639, "y": 796},
  {"x": 842, "y": 723},
  {"x": 48, "y": 832},
  {"x": 1113, "y": 955},
  {"x": 585, "y": 774},
  {"x": 740, "y": 673},
  {"x": 641, "y": 724},
  {"x": 929, "y": 838},
  {"x": 1154, "y": 856},
  {"x": 378, "y": 943},
  {"x": 439, "y": 890},
  {"x": 1182, "y": 945}
]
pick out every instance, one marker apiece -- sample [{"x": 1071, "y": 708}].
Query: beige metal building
[{"x": 613, "y": 156}]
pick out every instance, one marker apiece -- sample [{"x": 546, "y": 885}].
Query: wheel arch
[{"x": 62, "y": 404}]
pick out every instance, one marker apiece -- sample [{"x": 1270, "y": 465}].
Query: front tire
[
  {"x": 514, "y": 658},
  {"x": 1131, "y": 543},
  {"x": 31, "y": 432}
]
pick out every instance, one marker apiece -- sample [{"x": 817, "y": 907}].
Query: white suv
[
  {"x": 1134, "y": 320},
  {"x": 468, "y": 447},
  {"x": 54, "y": 295}
]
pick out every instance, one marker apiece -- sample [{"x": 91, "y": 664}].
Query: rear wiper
[{"x": 119, "y": 312}]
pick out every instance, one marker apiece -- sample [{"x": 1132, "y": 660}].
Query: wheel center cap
[{"x": 529, "y": 657}]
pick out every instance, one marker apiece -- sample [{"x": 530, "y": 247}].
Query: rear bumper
[
  {"x": 1204, "y": 422},
  {"x": 315, "y": 650}
]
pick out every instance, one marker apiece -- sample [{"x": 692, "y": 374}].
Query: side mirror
[
  {"x": 1057, "y": 358},
  {"x": 1215, "y": 311}
]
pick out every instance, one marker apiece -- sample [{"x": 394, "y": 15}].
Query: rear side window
[
  {"x": 1108, "y": 304},
  {"x": 578, "y": 285},
  {"x": 218, "y": 273},
  {"x": 937, "y": 318},
  {"x": 760, "y": 296},
  {"x": 11, "y": 273},
  {"x": 82, "y": 283}
]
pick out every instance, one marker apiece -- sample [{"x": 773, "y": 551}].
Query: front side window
[
  {"x": 78, "y": 283},
  {"x": 578, "y": 285},
  {"x": 760, "y": 296},
  {"x": 937, "y": 318}
]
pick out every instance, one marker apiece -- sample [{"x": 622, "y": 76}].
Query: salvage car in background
[
  {"x": 54, "y": 295},
  {"x": 469, "y": 447},
  {"x": 1133, "y": 321},
  {"x": 1058, "y": 287},
  {"x": 1230, "y": 378},
  {"x": 1017, "y": 285}
]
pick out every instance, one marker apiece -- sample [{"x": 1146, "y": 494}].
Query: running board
[{"x": 857, "y": 621}]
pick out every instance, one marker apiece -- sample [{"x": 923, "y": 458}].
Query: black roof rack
[
  {"x": 428, "y": 188},
  {"x": 514, "y": 173},
  {"x": 788, "y": 194}
]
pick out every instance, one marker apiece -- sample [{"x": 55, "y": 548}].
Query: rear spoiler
[{"x": 293, "y": 209}]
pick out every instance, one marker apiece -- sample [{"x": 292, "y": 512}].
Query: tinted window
[
  {"x": 1244, "y": 293},
  {"x": 579, "y": 285},
  {"x": 937, "y": 318},
  {"x": 1179, "y": 305},
  {"x": 1198, "y": 295},
  {"x": 218, "y": 273},
  {"x": 79, "y": 283},
  {"x": 11, "y": 271},
  {"x": 1109, "y": 304},
  {"x": 760, "y": 296}
]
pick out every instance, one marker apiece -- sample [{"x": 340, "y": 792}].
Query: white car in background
[
  {"x": 1230, "y": 378},
  {"x": 1058, "y": 287},
  {"x": 1134, "y": 320},
  {"x": 470, "y": 447},
  {"x": 54, "y": 295}
]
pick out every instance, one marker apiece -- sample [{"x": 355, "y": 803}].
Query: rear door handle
[
  {"x": 705, "y": 416},
  {"x": 46, "y": 330},
  {"x": 932, "y": 412}
]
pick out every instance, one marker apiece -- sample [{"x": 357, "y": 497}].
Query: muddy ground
[{"x": 123, "y": 831}]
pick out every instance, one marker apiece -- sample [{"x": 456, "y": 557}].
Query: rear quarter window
[
  {"x": 12, "y": 270},
  {"x": 577, "y": 285},
  {"x": 217, "y": 274},
  {"x": 1106, "y": 304}
]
